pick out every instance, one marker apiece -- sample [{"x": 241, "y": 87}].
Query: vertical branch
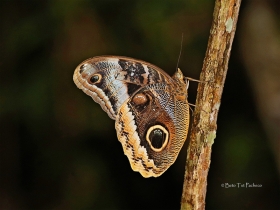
[{"x": 203, "y": 131}]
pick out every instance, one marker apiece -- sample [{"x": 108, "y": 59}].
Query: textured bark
[{"x": 203, "y": 131}]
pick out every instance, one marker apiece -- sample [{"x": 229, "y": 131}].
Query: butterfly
[{"x": 150, "y": 108}]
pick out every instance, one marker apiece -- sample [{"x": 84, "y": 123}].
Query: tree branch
[{"x": 203, "y": 131}]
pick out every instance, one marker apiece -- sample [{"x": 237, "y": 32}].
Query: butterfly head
[
  {"x": 178, "y": 75},
  {"x": 181, "y": 81}
]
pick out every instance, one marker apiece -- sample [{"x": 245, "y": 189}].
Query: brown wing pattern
[
  {"x": 150, "y": 108},
  {"x": 153, "y": 132},
  {"x": 111, "y": 80}
]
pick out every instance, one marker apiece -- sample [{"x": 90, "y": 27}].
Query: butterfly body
[{"x": 150, "y": 108}]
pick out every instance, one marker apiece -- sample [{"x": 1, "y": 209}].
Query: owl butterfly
[{"x": 150, "y": 108}]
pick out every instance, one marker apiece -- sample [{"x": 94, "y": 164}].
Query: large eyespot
[
  {"x": 95, "y": 78},
  {"x": 157, "y": 137}
]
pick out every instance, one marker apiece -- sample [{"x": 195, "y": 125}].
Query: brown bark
[{"x": 203, "y": 131}]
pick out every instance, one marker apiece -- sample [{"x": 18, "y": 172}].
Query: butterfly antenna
[{"x": 180, "y": 51}]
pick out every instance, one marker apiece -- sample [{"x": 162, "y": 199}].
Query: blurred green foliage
[{"x": 59, "y": 150}]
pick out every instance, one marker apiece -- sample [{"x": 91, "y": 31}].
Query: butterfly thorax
[{"x": 180, "y": 86}]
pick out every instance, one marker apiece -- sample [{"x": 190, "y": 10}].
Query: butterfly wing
[
  {"x": 150, "y": 108},
  {"x": 111, "y": 80},
  {"x": 152, "y": 127}
]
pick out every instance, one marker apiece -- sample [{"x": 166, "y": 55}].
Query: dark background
[{"x": 59, "y": 150}]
